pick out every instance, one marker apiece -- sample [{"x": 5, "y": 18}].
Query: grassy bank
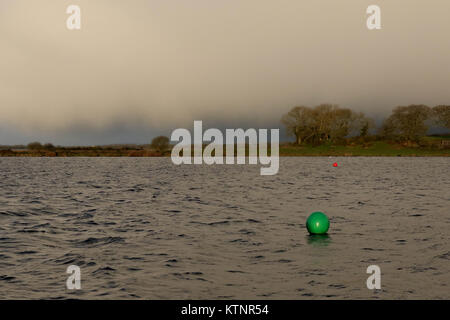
[
  {"x": 81, "y": 152},
  {"x": 375, "y": 148}
]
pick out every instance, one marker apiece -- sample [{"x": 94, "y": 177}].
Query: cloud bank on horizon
[{"x": 161, "y": 64}]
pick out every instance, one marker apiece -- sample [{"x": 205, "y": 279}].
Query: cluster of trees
[
  {"x": 325, "y": 123},
  {"x": 331, "y": 123},
  {"x": 160, "y": 144},
  {"x": 39, "y": 146},
  {"x": 410, "y": 123}
]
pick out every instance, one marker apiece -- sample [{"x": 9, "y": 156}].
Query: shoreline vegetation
[
  {"x": 323, "y": 130},
  {"x": 430, "y": 146}
]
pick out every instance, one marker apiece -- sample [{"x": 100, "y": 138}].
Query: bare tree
[
  {"x": 298, "y": 123},
  {"x": 323, "y": 123},
  {"x": 342, "y": 124},
  {"x": 364, "y": 125},
  {"x": 48, "y": 146},
  {"x": 324, "y": 116},
  {"x": 35, "y": 146},
  {"x": 441, "y": 115},
  {"x": 160, "y": 143},
  {"x": 407, "y": 122}
]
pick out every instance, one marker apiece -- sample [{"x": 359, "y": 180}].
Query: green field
[{"x": 378, "y": 148}]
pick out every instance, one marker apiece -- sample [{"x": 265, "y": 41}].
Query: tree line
[
  {"x": 329, "y": 123},
  {"x": 160, "y": 144}
]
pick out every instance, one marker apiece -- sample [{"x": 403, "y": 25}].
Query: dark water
[{"x": 144, "y": 228}]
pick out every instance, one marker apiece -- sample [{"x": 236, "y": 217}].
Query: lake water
[{"x": 146, "y": 229}]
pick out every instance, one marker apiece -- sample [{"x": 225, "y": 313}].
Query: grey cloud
[{"x": 161, "y": 64}]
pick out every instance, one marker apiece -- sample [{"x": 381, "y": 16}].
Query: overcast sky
[{"x": 140, "y": 68}]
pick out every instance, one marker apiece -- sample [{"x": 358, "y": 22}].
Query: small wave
[
  {"x": 72, "y": 258},
  {"x": 7, "y": 278},
  {"x": 105, "y": 271},
  {"x": 27, "y": 252},
  {"x": 445, "y": 256},
  {"x": 218, "y": 222},
  {"x": 99, "y": 241},
  {"x": 284, "y": 261},
  {"x": 12, "y": 213},
  {"x": 337, "y": 286}
]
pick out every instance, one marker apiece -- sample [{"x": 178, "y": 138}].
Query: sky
[{"x": 141, "y": 68}]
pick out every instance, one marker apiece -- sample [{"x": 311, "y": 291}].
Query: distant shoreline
[{"x": 373, "y": 149}]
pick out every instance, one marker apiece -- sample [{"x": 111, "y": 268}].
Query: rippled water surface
[{"x": 144, "y": 228}]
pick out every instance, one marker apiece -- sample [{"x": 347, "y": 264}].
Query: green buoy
[{"x": 317, "y": 223}]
